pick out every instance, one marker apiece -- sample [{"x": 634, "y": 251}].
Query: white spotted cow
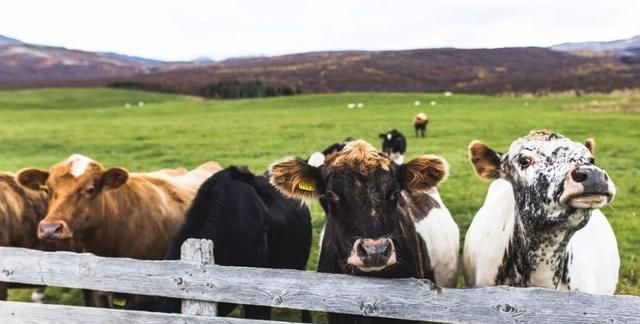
[{"x": 540, "y": 225}]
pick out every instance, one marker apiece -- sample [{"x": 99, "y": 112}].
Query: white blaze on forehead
[
  {"x": 389, "y": 136},
  {"x": 79, "y": 164}
]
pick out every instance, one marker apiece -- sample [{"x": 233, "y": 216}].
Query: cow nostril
[
  {"x": 58, "y": 229},
  {"x": 606, "y": 177},
  {"x": 578, "y": 176},
  {"x": 361, "y": 251}
]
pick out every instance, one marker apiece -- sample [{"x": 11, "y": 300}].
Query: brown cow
[
  {"x": 20, "y": 212},
  {"x": 420, "y": 122},
  {"x": 110, "y": 212}
]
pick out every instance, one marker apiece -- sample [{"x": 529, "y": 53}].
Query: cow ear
[
  {"x": 34, "y": 179},
  {"x": 114, "y": 178},
  {"x": 382, "y": 136},
  {"x": 423, "y": 173},
  {"x": 590, "y": 143},
  {"x": 485, "y": 161},
  {"x": 295, "y": 178}
]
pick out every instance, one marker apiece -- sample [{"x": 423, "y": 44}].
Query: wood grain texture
[
  {"x": 29, "y": 313},
  {"x": 199, "y": 252},
  {"x": 400, "y": 298}
]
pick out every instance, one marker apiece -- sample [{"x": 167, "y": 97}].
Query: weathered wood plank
[
  {"x": 29, "y": 313},
  {"x": 198, "y": 252},
  {"x": 403, "y": 298}
]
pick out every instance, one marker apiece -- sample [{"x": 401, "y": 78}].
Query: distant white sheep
[
  {"x": 351, "y": 105},
  {"x": 127, "y": 105},
  {"x": 140, "y": 103},
  {"x": 416, "y": 103},
  {"x": 360, "y": 105},
  {"x": 433, "y": 103},
  {"x": 448, "y": 94}
]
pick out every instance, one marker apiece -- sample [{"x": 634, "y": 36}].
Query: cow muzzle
[
  {"x": 54, "y": 230},
  {"x": 587, "y": 187},
  {"x": 370, "y": 255}
]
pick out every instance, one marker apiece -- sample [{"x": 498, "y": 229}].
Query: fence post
[{"x": 201, "y": 252}]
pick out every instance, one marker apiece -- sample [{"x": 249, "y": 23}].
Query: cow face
[
  {"x": 361, "y": 192},
  {"x": 552, "y": 176},
  {"x": 394, "y": 144},
  {"x": 73, "y": 187}
]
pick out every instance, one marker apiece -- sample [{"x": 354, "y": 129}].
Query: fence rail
[{"x": 200, "y": 281}]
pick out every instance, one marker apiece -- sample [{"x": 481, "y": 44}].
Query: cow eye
[
  {"x": 332, "y": 196},
  {"x": 525, "y": 161},
  {"x": 90, "y": 190},
  {"x": 592, "y": 160}
]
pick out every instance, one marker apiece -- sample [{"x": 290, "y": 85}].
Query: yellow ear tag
[
  {"x": 43, "y": 187},
  {"x": 120, "y": 302},
  {"x": 306, "y": 186}
]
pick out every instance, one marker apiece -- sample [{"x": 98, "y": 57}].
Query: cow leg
[
  {"x": 88, "y": 297},
  {"x": 257, "y": 312},
  {"x": 95, "y": 298},
  {"x": 225, "y": 309},
  {"x": 306, "y": 316},
  {"x": 344, "y": 319},
  {"x": 4, "y": 287}
]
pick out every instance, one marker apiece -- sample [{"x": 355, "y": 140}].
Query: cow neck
[
  {"x": 121, "y": 215},
  {"x": 536, "y": 254},
  {"x": 414, "y": 207},
  {"x": 20, "y": 212}
]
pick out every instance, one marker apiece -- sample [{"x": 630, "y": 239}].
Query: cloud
[{"x": 182, "y": 30}]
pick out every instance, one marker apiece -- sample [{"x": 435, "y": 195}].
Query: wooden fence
[{"x": 200, "y": 283}]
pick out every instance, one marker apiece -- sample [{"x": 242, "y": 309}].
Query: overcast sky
[{"x": 186, "y": 29}]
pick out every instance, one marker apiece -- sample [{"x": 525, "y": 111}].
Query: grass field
[{"x": 41, "y": 127}]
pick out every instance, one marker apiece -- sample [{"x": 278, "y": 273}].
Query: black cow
[
  {"x": 394, "y": 144},
  {"x": 251, "y": 225},
  {"x": 372, "y": 206}
]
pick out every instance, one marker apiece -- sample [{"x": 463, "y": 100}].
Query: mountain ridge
[{"x": 497, "y": 70}]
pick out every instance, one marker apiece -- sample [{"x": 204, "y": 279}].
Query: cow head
[
  {"x": 552, "y": 177},
  {"x": 394, "y": 144},
  {"x": 361, "y": 191},
  {"x": 72, "y": 186}
]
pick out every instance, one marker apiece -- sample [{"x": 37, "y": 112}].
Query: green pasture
[{"x": 41, "y": 127}]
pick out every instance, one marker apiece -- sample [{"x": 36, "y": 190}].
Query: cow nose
[
  {"x": 594, "y": 180},
  {"x": 54, "y": 230},
  {"x": 373, "y": 248}
]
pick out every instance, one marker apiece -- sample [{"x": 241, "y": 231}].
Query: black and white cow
[
  {"x": 394, "y": 144},
  {"x": 251, "y": 225},
  {"x": 540, "y": 224},
  {"x": 383, "y": 219}
]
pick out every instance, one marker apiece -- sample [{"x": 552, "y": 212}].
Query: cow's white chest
[
  {"x": 594, "y": 259},
  {"x": 397, "y": 157},
  {"x": 546, "y": 269}
]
